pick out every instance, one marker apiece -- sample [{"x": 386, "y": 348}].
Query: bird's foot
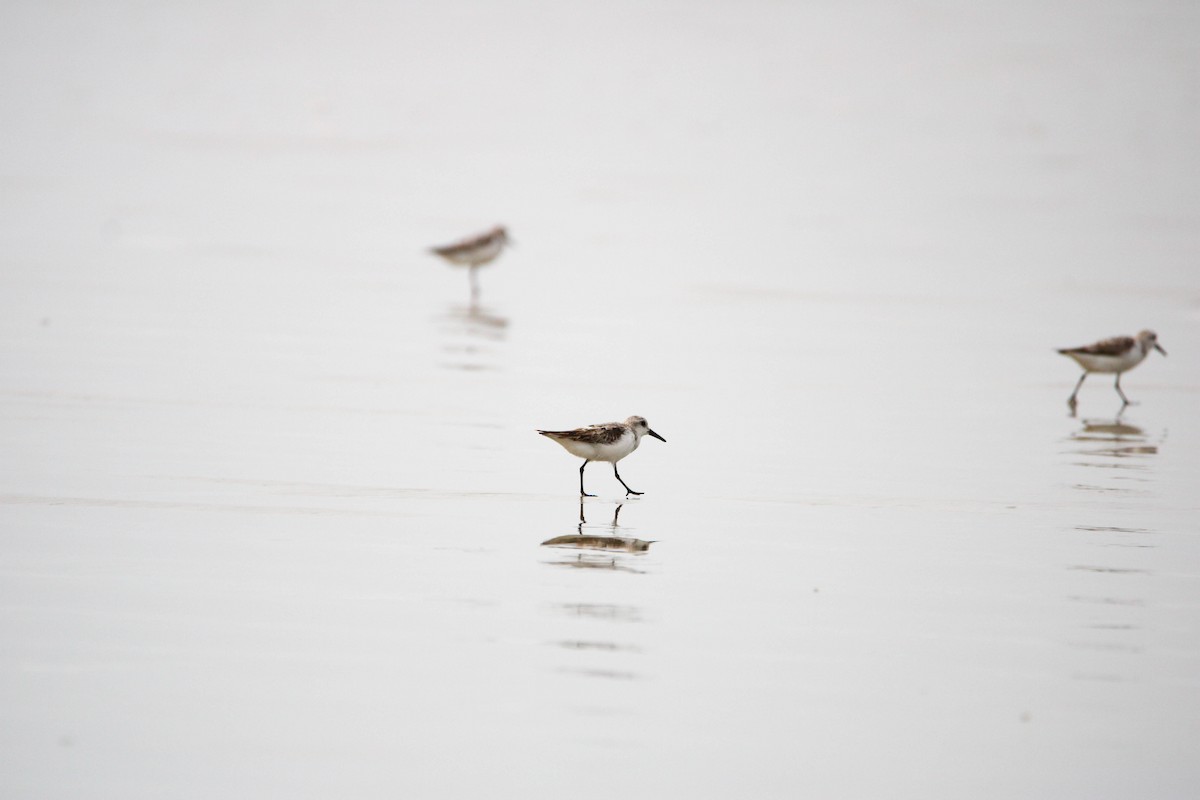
[{"x": 631, "y": 491}]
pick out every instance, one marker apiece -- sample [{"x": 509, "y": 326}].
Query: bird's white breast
[
  {"x": 602, "y": 452},
  {"x": 617, "y": 450},
  {"x": 1093, "y": 362},
  {"x": 477, "y": 256}
]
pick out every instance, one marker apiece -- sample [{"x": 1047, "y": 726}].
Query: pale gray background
[{"x": 271, "y": 501}]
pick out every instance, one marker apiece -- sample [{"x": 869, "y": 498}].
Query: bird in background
[
  {"x": 1116, "y": 355},
  {"x": 608, "y": 441},
  {"x": 474, "y": 251}
]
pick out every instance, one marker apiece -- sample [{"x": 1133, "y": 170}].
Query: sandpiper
[
  {"x": 474, "y": 251},
  {"x": 1118, "y": 354},
  {"x": 609, "y": 441}
]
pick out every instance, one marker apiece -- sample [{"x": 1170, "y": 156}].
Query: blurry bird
[
  {"x": 475, "y": 251},
  {"x": 609, "y": 441},
  {"x": 1118, "y": 354}
]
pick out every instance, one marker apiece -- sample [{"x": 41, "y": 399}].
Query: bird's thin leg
[
  {"x": 474, "y": 285},
  {"x": 582, "y": 493},
  {"x": 631, "y": 491},
  {"x": 1071, "y": 399},
  {"x": 1117, "y": 386}
]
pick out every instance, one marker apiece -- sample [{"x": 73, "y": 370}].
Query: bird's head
[
  {"x": 642, "y": 428},
  {"x": 1149, "y": 339}
]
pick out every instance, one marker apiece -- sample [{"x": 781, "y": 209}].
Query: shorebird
[
  {"x": 474, "y": 251},
  {"x": 608, "y": 441},
  {"x": 1118, "y": 354}
]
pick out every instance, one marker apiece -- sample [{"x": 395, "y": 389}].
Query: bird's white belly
[
  {"x": 1098, "y": 363},
  {"x": 477, "y": 256},
  {"x": 602, "y": 452}
]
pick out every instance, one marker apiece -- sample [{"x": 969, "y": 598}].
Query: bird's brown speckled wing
[
  {"x": 468, "y": 244},
  {"x": 606, "y": 433},
  {"x": 1115, "y": 346}
]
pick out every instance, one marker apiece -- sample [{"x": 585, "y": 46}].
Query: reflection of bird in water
[
  {"x": 1119, "y": 438},
  {"x": 1111, "y": 428},
  {"x": 609, "y": 441},
  {"x": 587, "y": 541},
  {"x": 472, "y": 336},
  {"x": 479, "y": 321},
  {"x": 1117, "y": 355},
  {"x": 600, "y": 543},
  {"x": 474, "y": 251},
  {"x": 616, "y": 516}
]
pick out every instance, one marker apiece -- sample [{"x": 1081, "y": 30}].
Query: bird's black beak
[
  {"x": 655, "y": 435},
  {"x": 1158, "y": 347}
]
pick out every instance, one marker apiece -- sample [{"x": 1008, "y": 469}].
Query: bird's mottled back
[
  {"x": 604, "y": 433},
  {"x": 1108, "y": 347},
  {"x": 496, "y": 235}
]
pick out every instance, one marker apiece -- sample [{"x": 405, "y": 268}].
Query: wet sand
[{"x": 275, "y": 519}]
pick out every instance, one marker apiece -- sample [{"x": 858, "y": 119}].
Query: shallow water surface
[{"x": 275, "y": 521}]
